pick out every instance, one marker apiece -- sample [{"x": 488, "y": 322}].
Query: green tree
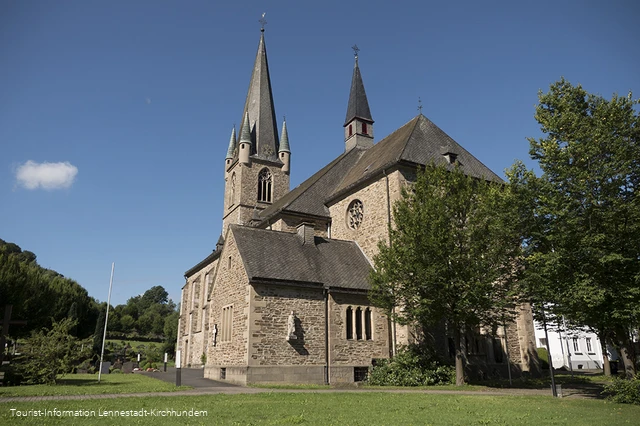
[
  {"x": 171, "y": 332},
  {"x": 451, "y": 257},
  {"x": 99, "y": 332},
  {"x": 50, "y": 353},
  {"x": 584, "y": 255}
]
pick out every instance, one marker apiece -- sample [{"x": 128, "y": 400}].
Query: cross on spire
[
  {"x": 355, "y": 50},
  {"x": 263, "y": 21},
  {"x": 419, "y": 105}
]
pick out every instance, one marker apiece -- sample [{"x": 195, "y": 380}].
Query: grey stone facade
[{"x": 303, "y": 251}]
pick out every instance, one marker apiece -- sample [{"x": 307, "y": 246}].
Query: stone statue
[{"x": 291, "y": 327}]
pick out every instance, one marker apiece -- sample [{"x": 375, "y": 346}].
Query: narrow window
[
  {"x": 350, "y": 129},
  {"x": 364, "y": 128},
  {"x": 349, "y": 323},
  {"x": 576, "y": 348},
  {"x": 589, "y": 348},
  {"x": 232, "y": 193},
  {"x": 229, "y": 263},
  {"x": 367, "y": 324},
  {"x": 227, "y": 324},
  {"x": 359, "y": 324},
  {"x": 265, "y": 181}
]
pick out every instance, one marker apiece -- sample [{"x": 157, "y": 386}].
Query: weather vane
[
  {"x": 419, "y": 104},
  {"x": 355, "y": 50},
  {"x": 263, "y": 21}
]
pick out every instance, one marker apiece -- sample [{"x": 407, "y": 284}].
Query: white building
[{"x": 579, "y": 348}]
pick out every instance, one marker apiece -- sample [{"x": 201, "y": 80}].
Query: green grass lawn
[
  {"x": 87, "y": 384},
  {"x": 338, "y": 408}
]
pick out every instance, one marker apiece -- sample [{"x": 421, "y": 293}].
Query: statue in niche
[
  {"x": 291, "y": 327},
  {"x": 215, "y": 333}
]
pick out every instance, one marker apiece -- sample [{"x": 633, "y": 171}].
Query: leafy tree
[
  {"x": 49, "y": 353},
  {"x": 171, "y": 332},
  {"x": 584, "y": 255},
  {"x": 451, "y": 256},
  {"x": 99, "y": 332}
]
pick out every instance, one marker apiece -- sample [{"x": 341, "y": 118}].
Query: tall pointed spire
[
  {"x": 358, "y": 106},
  {"x": 259, "y": 106},
  {"x": 358, "y": 124}
]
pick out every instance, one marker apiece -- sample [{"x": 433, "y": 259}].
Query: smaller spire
[
  {"x": 284, "y": 139},
  {"x": 232, "y": 144},
  {"x": 245, "y": 133}
]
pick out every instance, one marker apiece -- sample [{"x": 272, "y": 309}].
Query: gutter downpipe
[
  {"x": 393, "y": 322},
  {"x": 326, "y": 336}
]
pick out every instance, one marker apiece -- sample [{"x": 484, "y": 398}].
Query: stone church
[{"x": 283, "y": 297}]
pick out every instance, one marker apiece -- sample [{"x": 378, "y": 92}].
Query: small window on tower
[
  {"x": 364, "y": 128},
  {"x": 350, "y": 129}
]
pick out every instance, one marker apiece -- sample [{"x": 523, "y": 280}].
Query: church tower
[
  {"x": 257, "y": 163},
  {"x": 358, "y": 125}
]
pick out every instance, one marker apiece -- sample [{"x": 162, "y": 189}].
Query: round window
[{"x": 355, "y": 214}]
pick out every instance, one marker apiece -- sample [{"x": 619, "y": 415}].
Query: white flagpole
[{"x": 106, "y": 319}]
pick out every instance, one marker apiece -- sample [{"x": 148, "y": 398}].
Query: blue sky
[{"x": 123, "y": 109}]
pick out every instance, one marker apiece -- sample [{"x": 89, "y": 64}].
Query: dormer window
[{"x": 450, "y": 157}]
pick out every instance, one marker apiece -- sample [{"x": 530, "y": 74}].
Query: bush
[
  {"x": 543, "y": 356},
  {"x": 116, "y": 371},
  {"x": 49, "y": 354},
  {"x": 412, "y": 366},
  {"x": 624, "y": 391}
]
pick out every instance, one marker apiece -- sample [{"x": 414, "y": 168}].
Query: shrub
[
  {"x": 412, "y": 366},
  {"x": 116, "y": 371},
  {"x": 624, "y": 391},
  {"x": 49, "y": 354}
]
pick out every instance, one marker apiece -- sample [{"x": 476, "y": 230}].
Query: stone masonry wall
[
  {"x": 240, "y": 209},
  {"x": 271, "y": 306},
  {"x": 192, "y": 339},
  {"x": 352, "y": 352},
  {"x": 230, "y": 288},
  {"x": 374, "y": 224}
]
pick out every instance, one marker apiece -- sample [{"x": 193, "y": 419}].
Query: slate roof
[
  {"x": 259, "y": 105},
  {"x": 358, "y": 105},
  {"x": 281, "y": 256},
  {"x": 419, "y": 141},
  {"x": 308, "y": 197}
]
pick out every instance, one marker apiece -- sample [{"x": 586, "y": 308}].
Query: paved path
[{"x": 194, "y": 377}]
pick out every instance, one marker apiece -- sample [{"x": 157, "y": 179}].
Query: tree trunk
[
  {"x": 629, "y": 367},
  {"x": 459, "y": 357},
  {"x": 606, "y": 367}
]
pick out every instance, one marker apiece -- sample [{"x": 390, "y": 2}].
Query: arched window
[
  {"x": 367, "y": 324},
  {"x": 349, "y": 323},
  {"x": 355, "y": 214},
  {"x": 359, "y": 323},
  {"x": 265, "y": 183}
]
